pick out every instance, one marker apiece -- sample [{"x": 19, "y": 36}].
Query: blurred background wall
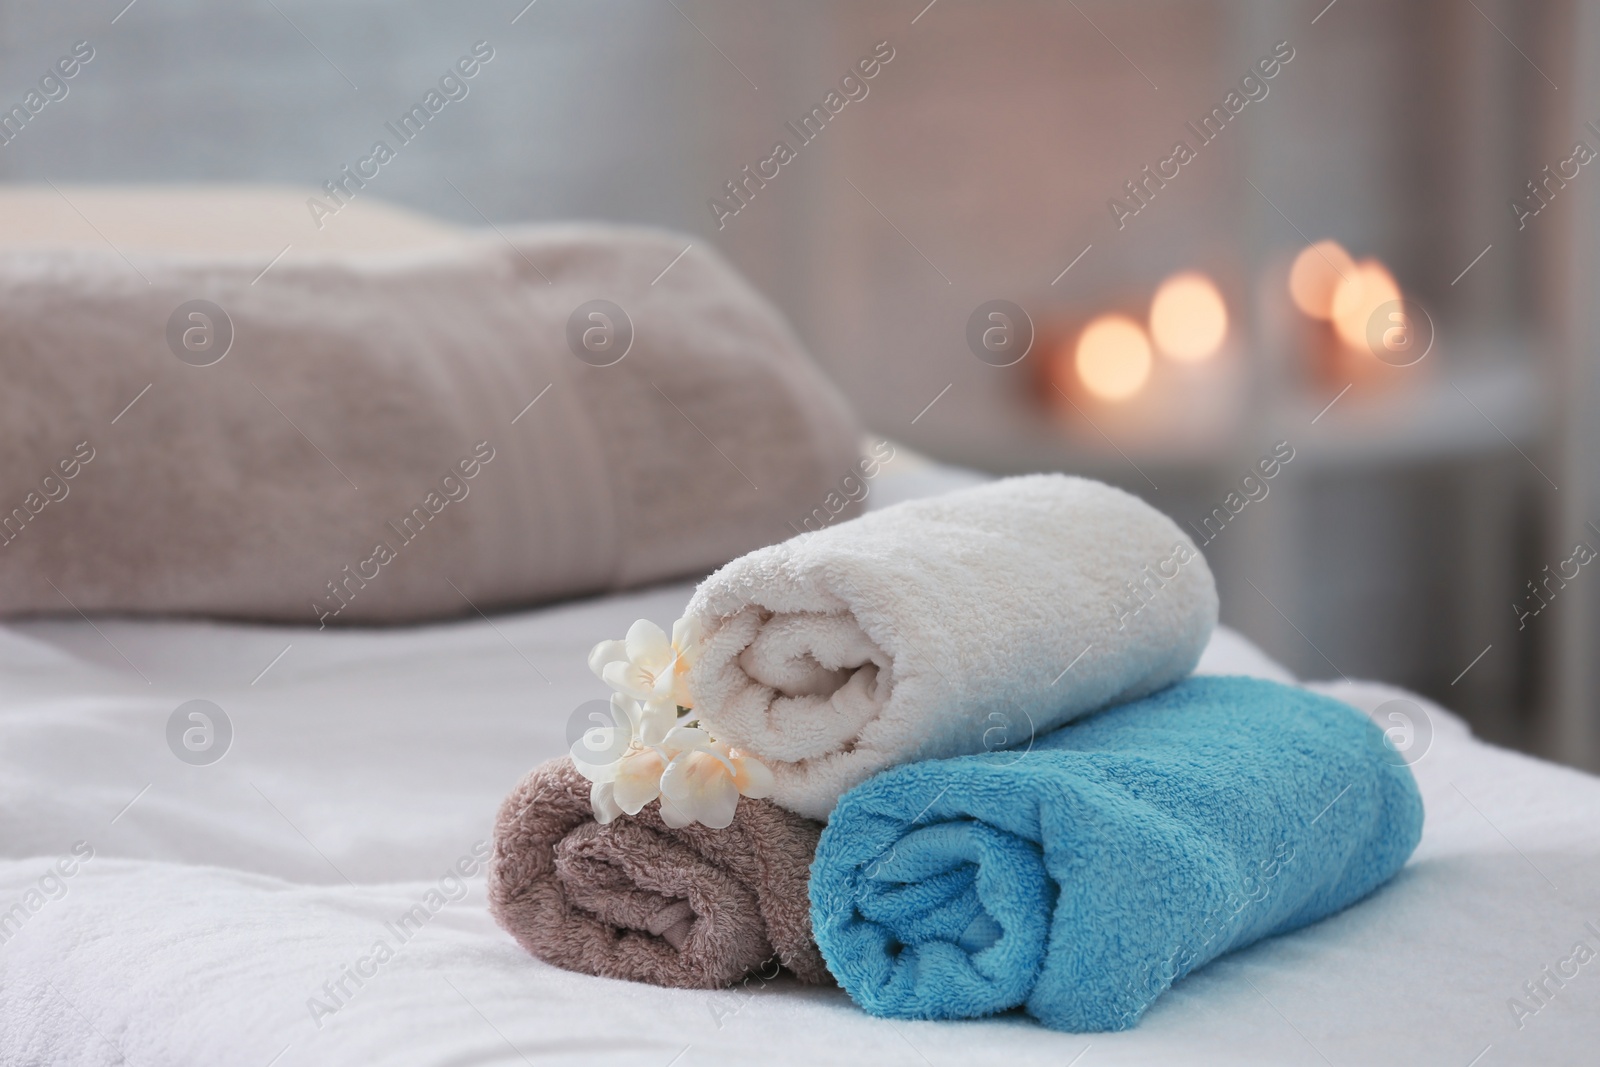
[{"x": 1421, "y": 509}]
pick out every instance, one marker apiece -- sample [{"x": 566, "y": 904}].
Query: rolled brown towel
[{"x": 694, "y": 907}]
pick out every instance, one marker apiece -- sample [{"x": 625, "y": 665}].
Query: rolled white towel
[{"x": 945, "y": 626}]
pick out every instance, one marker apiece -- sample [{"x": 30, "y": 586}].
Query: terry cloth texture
[
  {"x": 1081, "y": 878},
  {"x": 693, "y": 907},
  {"x": 946, "y": 626},
  {"x": 232, "y": 489}
]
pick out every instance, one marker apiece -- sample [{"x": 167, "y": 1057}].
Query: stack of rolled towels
[{"x": 995, "y": 782}]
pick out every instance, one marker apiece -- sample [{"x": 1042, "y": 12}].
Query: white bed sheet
[{"x": 220, "y": 898}]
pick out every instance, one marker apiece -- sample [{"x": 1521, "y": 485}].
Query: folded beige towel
[
  {"x": 365, "y": 449},
  {"x": 692, "y": 907}
]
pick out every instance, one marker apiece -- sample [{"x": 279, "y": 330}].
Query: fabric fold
[
  {"x": 1080, "y": 879},
  {"x": 964, "y": 623},
  {"x": 634, "y": 899}
]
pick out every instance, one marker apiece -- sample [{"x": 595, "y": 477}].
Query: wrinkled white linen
[{"x": 215, "y": 908}]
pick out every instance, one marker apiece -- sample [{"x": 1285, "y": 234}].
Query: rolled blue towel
[{"x": 1079, "y": 877}]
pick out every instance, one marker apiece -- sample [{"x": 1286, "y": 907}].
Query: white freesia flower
[
  {"x": 601, "y": 801},
  {"x": 705, "y": 778},
  {"x": 646, "y": 754},
  {"x": 620, "y": 760},
  {"x": 646, "y": 665},
  {"x": 602, "y": 746}
]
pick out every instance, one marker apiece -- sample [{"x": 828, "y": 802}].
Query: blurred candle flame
[
  {"x": 1317, "y": 273},
  {"x": 1188, "y": 318},
  {"x": 1113, "y": 357},
  {"x": 1357, "y": 297}
]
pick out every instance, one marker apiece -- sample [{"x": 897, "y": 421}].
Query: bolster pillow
[{"x": 369, "y": 439}]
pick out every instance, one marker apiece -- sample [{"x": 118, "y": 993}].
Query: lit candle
[
  {"x": 1188, "y": 318},
  {"x": 1369, "y": 286},
  {"x": 1317, "y": 272},
  {"x": 1113, "y": 357}
]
